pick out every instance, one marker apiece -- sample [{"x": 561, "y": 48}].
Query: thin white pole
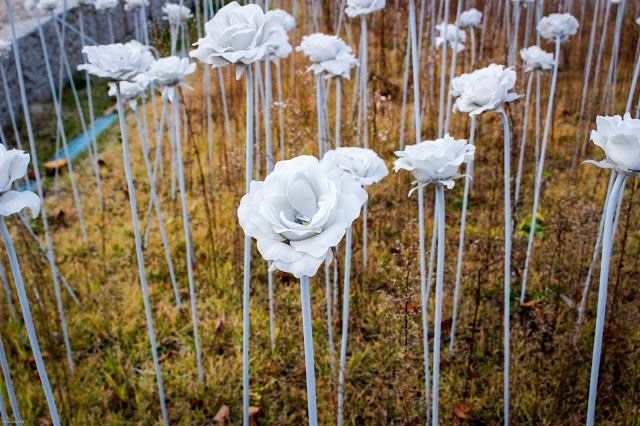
[
  {"x": 507, "y": 257},
  {"x": 59, "y": 120},
  {"x": 28, "y": 320},
  {"x": 424, "y": 297},
  {"x": 439, "y": 288},
  {"x": 443, "y": 70},
  {"x": 247, "y": 252},
  {"x": 175, "y": 106},
  {"x": 156, "y": 203},
  {"x": 37, "y": 171},
  {"x": 9, "y": 383},
  {"x": 308, "y": 350},
  {"x": 345, "y": 324},
  {"x": 607, "y": 246},
  {"x": 327, "y": 279},
  {"x": 139, "y": 255},
  {"x": 525, "y": 128},
  {"x": 585, "y": 86},
  {"x": 538, "y": 182},
  {"x": 463, "y": 226},
  {"x": 338, "y": 110},
  {"x": 452, "y": 73}
]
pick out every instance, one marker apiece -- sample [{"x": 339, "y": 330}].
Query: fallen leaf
[
  {"x": 410, "y": 307},
  {"x": 164, "y": 357},
  {"x": 219, "y": 326},
  {"x": 531, "y": 303},
  {"x": 461, "y": 410},
  {"x": 222, "y": 415},
  {"x": 252, "y": 412}
]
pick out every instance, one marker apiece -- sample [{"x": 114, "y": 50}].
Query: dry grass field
[{"x": 114, "y": 382}]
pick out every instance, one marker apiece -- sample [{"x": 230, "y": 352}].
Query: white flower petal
[{"x": 13, "y": 201}]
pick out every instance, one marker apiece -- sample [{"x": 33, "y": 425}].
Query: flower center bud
[{"x": 303, "y": 220}]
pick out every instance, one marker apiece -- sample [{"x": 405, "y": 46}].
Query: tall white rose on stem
[
  {"x": 471, "y": 19},
  {"x": 435, "y": 162},
  {"x": 243, "y": 35},
  {"x": 534, "y": 60},
  {"x": 513, "y": 43},
  {"x": 74, "y": 187},
  {"x": 49, "y": 244},
  {"x": 619, "y": 138},
  {"x": 556, "y": 28},
  {"x": 287, "y": 22},
  {"x": 116, "y": 63},
  {"x": 557, "y": 25},
  {"x": 443, "y": 73},
  {"x": 366, "y": 168},
  {"x": 300, "y": 211},
  {"x": 139, "y": 9},
  {"x": 13, "y": 166},
  {"x": 455, "y": 36},
  {"x": 131, "y": 91},
  {"x": 328, "y": 54},
  {"x": 413, "y": 52},
  {"x": 49, "y": 6},
  {"x": 94, "y": 140},
  {"x": 458, "y": 37},
  {"x": 362, "y": 8},
  {"x": 171, "y": 72},
  {"x": 176, "y": 14},
  {"x": 107, "y": 6},
  {"x": 484, "y": 90}
]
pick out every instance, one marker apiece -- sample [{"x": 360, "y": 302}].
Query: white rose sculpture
[
  {"x": 170, "y": 72},
  {"x": 299, "y": 212},
  {"x": 13, "y": 166},
  {"x": 287, "y": 21},
  {"x": 557, "y": 25},
  {"x": 175, "y": 13},
  {"x": 435, "y": 161},
  {"x": 536, "y": 59},
  {"x": 131, "y": 90},
  {"x": 363, "y": 7},
  {"x": 130, "y": 5},
  {"x": 329, "y": 54},
  {"x": 470, "y": 18},
  {"x": 362, "y": 164},
  {"x": 451, "y": 36},
  {"x": 484, "y": 90},
  {"x": 242, "y": 35},
  {"x": 619, "y": 138},
  {"x": 117, "y": 62},
  {"x": 104, "y": 5}
]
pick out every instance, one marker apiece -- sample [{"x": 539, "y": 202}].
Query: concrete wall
[{"x": 96, "y": 27}]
